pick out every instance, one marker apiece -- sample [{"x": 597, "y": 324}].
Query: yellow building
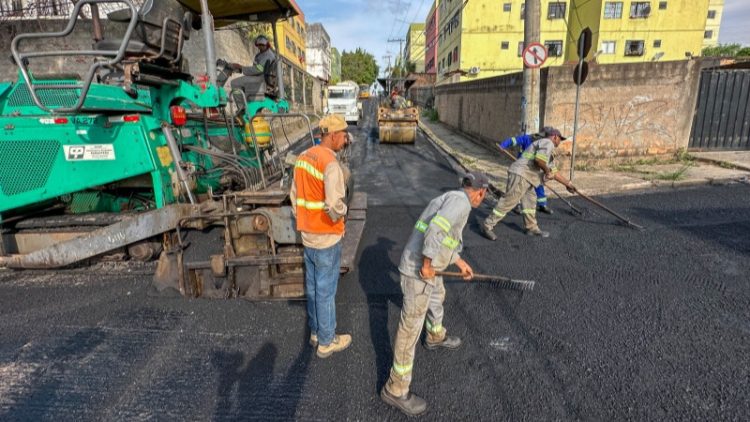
[
  {"x": 713, "y": 20},
  {"x": 414, "y": 47},
  {"x": 642, "y": 31},
  {"x": 292, "y": 35},
  {"x": 484, "y": 38}
]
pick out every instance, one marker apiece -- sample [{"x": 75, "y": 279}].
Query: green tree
[
  {"x": 359, "y": 66},
  {"x": 726, "y": 50}
]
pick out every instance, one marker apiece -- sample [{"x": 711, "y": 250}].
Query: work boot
[
  {"x": 537, "y": 232},
  {"x": 488, "y": 233},
  {"x": 339, "y": 343},
  {"x": 410, "y": 403},
  {"x": 545, "y": 209},
  {"x": 449, "y": 342},
  {"x": 313, "y": 340}
]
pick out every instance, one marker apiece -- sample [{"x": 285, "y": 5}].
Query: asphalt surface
[{"x": 622, "y": 325}]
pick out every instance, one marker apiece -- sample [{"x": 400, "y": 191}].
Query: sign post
[{"x": 579, "y": 77}]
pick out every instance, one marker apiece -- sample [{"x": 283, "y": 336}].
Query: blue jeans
[{"x": 322, "y": 268}]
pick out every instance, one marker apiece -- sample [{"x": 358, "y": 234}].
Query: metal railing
[{"x": 115, "y": 56}]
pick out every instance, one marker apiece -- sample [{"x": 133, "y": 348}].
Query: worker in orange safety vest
[{"x": 318, "y": 203}]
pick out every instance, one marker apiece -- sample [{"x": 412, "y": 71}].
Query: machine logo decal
[{"x": 98, "y": 152}]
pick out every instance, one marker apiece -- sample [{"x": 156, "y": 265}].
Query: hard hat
[{"x": 262, "y": 39}]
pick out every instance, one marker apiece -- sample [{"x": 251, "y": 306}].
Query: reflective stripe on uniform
[
  {"x": 542, "y": 157},
  {"x": 541, "y": 199},
  {"x": 421, "y": 226},
  {"x": 310, "y": 205},
  {"x": 498, "y": 213},
  {"x": 434, "y": 329},
  {"x": 528, "y": 155},
  {"x": 442, "y": 222},
  {"x": 304, "y": 165},
  {"x": 530, "y": 211},
  {"x": 513, "y": 140},
  {"x": 402, "y": 369},
  {"x": 450, "y": 242}
]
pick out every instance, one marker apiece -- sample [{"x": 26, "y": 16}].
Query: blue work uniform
[{"x": 523, "y": 142}]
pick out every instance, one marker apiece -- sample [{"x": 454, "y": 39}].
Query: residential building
[
  {"x": 318, "y": 52},
  {"x": 413, "y": 55},
  {"x": 292, "y": 34},
  {"x": 484, "y": 38},
  {"x": 713, "y": 20},
  {"x": 642, "y": 31},
  {"x": 431, "y": 38}
]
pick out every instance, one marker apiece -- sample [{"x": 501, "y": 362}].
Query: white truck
[{"x": 342, "y": 99}]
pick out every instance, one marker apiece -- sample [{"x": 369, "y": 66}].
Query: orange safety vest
[{"x": 308, "y": 177}]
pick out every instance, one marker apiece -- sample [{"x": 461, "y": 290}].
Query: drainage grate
[{"x": 26, "y": 165}]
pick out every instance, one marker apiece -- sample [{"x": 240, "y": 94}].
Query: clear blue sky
[{"x": 370, "y": 23}]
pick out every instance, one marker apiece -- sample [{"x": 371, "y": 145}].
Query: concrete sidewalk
[{"x": 638, "y": 175}]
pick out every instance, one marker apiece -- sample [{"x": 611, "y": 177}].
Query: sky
[{"x": 369, "y": 24}]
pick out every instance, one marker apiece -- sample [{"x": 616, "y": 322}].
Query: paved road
[{"x": 623, "y": 325}]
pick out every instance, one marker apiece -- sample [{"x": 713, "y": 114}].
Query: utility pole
[
  {"x": 530, "y": 100},
  {"x": 387, "y": 76},
  {"x": 400, "y": 42}
]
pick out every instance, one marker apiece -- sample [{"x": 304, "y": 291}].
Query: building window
[
  {"x": 450, "y": 59},
  {"x": 506, "y": 7},
  {"x": 712, "y": 14},
  {"x": 608, "y": 47},
  {"x": 556, "y": 10},
  {"x": 657, "y": 43},
  {"x": 554, "y": 48},
  {"x": 634, "y": 48},
  {"x": 504, "y": 45},
  {"x": 523, "y": 11},
  {"x": 708, "y": 34},
  {"x": 520, "y": 48},
  {"x": 640, "y": 9},
  {"x": 662, "y": 5},
  {"x": 613, "y": 10},
  {"x": 455, "y": 54}
]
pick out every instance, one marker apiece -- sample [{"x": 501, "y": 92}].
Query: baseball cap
[
  {"x": 476, "y": 180},
  {"x": 332, "y": 123},
  {"x": 550, "y": 131}
]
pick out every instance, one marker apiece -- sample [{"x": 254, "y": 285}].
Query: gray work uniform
[
  {"x": 438, "y": 234},
  {"x": 253, "y": 82},
  {"x": 523, "y": 176}
]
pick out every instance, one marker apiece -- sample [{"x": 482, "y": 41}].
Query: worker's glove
[
  {"x": 548, "y": 177},
  {"x": 236, "y": 67},
  {"x": 571, "y": 189},
  {"x": 427, "y": 272},
  {"x": 465, "y": 268}
]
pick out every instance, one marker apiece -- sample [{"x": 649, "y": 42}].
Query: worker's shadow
[
  {"x": 380, "y": 280},
  {"x": 249, "y": 390}
]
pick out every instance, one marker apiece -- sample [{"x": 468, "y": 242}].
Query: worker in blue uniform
[{"x": 523, "y": 142}]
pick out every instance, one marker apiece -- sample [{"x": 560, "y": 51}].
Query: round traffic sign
[{"x": 534, "y": 55}]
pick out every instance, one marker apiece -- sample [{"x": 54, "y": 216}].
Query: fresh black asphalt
[{"x": 622, "y": 325}]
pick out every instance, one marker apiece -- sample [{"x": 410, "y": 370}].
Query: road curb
[
  {"x": 455, "y": 160},
  {"x": 447, "y": 152},
  {"x": 715, "y": 161}
]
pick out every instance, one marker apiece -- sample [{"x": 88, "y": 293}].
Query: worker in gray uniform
[
  {"x": 253, "y": 78},
  {"x": 534, "y": 167},
  {"x": 435, "y": 243}
]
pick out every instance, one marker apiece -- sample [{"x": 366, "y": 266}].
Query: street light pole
[{"x": 530, "y": 100}]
